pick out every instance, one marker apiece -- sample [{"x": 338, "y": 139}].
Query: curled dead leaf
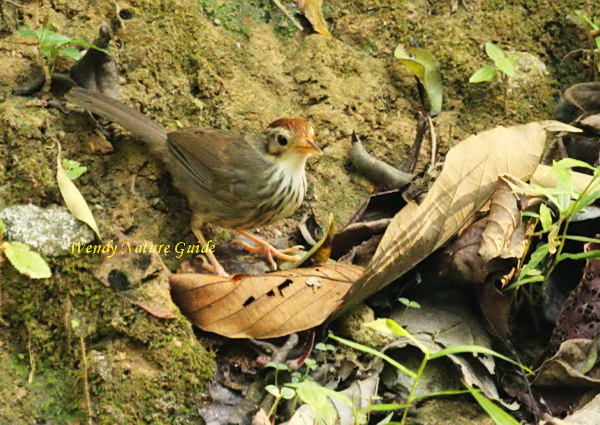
[
  {"x": 263, "y": 306},
  {"x": 503, "y": 221},
  {"x": 311, "y": 9}
]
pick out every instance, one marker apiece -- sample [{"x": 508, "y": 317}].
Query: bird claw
[
  {"x": 213, "y": 268},
  {"x": 270, "y": 251}
]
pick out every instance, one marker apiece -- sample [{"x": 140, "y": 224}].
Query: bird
[{"x": 231, "y": 180}]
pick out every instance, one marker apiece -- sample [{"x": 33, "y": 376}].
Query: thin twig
[
  {"x": 31, "y": 357},
  {"x": 411, "y": 161},
  {"x": 86, "y": 384},
  {"x": 14, "y": 3},
  {"x": 433, "y": 144},
  {"x": 288, "y": 14}
]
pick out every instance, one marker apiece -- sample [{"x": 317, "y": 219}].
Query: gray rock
[{"x": 49, "y": 231}]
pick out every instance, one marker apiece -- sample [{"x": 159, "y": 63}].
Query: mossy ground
[{"x": 229, "y": 64}]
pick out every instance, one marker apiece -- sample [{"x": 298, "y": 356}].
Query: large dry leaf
[
  {"x": 73, "y": 198},
  {"x": 311, "y": 9},
  {"x": 263, "y": 306},
  {"x": 503, "y": 221},
  {"x": 468, "y": 180}
]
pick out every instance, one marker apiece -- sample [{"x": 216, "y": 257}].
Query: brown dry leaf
[
  {"x": 311, "y": 9},
  {"x": 263, "y": 306},
  {"x": 503, "y": 221},
  {"x": 467, "y": 181},
  {"x": 73, "y": 198}
]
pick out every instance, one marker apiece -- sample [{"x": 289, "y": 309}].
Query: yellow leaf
[{"x": 73, "y": 198}]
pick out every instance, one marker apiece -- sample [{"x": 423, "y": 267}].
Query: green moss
[
  {"x": 239, "y": 17},
  {"x": 50, "y": 397}
]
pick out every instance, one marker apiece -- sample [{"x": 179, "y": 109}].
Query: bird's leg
[
  {"x": 214, "y": 266},
  {"x": 267, "y": 249}
]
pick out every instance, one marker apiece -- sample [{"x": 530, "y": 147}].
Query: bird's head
[{"x": 291, "y": 137}]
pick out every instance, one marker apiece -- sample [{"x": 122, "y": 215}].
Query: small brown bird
[{"x": 234, "y": 181}]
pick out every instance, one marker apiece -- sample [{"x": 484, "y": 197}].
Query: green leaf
[
  {"x": 311, "y": 364},
  {"x": 586, "y": 200},
  {"x": 582, "y": 239},
  {"x": 567, "y": 163},
  {"x": 524, "y": 281},
  {"x": 376, "y": 353},
  {"x": 494, "y": 52},
  {"x": 507, "y": 65},
  {"x": 287, "y": 393},
  {"x": 87, "y": 45},
  {"x": 70, "y": 52},
  {"x": 386, "y": 420},
  {"x": 50, "y": 37},
  {"x": 73, "y": 168},
  {"x": 427, "y": 69},
  {"x": 314, "y": 389},
  {"x": 26, "y": 32},
  {"x": 321, "y": 347},
  {"x": 383, "y": 407},
  {"x": 439, "y": 394},
  {"x": 273, "y": 390},
  {"x": 483, "y": 74},
  {"x": 26, "y": 261},
  {"x": 278, "y": 366},
  {"x": 2, "y": 228},
  {"x": 408, "y": 303},
  {"x": 317, "y": 398},
  {"x": 391, "y": 327},
  {"x": 50, "y": 52},
  {"x": 545, "y": 217},
  {"x": 594, "y": 254},
  {"x": 499, "y": 416},
  {"x": 476, "y": 349}
]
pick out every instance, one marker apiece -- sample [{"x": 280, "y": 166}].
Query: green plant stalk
[
  {"x": 274, "y": 406},
  {"x": 573, "y": 209},
  {"x": 411, "y": 394}
]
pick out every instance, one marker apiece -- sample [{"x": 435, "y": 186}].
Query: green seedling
[
  {"x": 317, "y": 397},
  {"x": 73, "y": 169},
  {"x": 52, "y": 46},
  {"x": 503, "y": 65},
  {"x": 566, "y": 201},
  {"x": 26, "y": 261}
]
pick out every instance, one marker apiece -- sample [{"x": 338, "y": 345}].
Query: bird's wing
[{"x": 215, "y": 162}]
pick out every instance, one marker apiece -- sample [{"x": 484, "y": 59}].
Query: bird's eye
[{"x": 282, "y": 140}]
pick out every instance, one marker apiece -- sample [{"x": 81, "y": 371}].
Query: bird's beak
[{"x": 309, "y": 147}]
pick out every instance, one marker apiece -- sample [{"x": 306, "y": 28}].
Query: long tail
[{"x": 113, "y": 110}]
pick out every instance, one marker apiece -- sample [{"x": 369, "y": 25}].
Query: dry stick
[
  {"x": 433, "y": 144},
  {"x": 14, "y": 3},
  {"x": 411, "y": 161},
  {"x": 86, "y": 384},
  {"x": 289, "y": 15},
  {"x": 31, "y": 357}
]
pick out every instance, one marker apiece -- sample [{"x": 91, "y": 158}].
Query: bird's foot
[
  {"x": 268, "y": 250},
  {"x": 213, "y": 267}
]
